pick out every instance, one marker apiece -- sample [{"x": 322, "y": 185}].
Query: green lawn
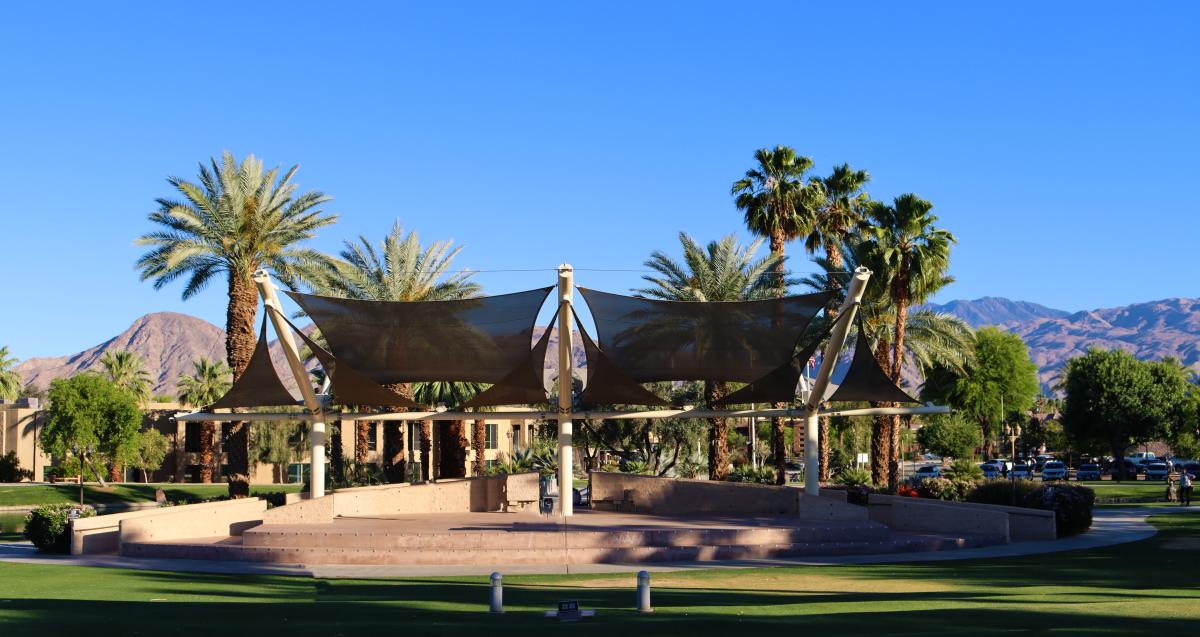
[
  {"x": 23, "y": 495},
  {"x": 1139, "y": 489},
  {"x": 1145, "y": 588}
]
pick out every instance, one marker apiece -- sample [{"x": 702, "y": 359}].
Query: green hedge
[
  {"x": 47, "y": 526},
  {"x": 1072, "y": 505}
]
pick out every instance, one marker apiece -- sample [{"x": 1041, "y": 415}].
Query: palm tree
[
  {"x": 451, "y": 434},
  {"x": 723, "y": 270},
  {"x": 237, "y": 220},
  {"x": 207, "y": 383},
  {"x": 778, "y": 204},
  {"x": 10, "y": 379},
  {"x": 399, "y": 270},
  {"x": 127, "y": 371}
]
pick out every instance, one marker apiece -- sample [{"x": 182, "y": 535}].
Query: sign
[
  {"x": 569, "y": 611},
  {"x": 862, "y": 459}
]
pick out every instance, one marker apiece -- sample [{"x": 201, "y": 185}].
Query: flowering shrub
[{"x": 953, "y": 489}]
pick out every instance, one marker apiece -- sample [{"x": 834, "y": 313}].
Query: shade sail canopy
[
  {"x": 649, "y": 340},
  {"x": 779, "y": 386},
  {"x": 479, "y": 340},
  {"x": 526, "y": 384},
  {"x": 259, "y": 384},
  {"x": 350, "y": 386},
  {"x": 866, "y": 380},
  {"x": 607, "y": 385}
]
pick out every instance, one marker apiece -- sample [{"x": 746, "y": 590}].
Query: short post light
[
  {"x": 496, "y": 597},
  {"x": 643, "y": 592}
]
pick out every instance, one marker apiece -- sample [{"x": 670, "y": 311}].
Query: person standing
[{"x": 1185, "y": 488}]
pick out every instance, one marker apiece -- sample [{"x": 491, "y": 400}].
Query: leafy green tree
[
  {"x": 237, "y": 220},
  {"x": 208, "y": 382},
  {"x": 127, "y": 371},
  {"x": 723, "y": 270},
  {"x": 279, "y": 444},
  {"x": 151, "y": 451},
  {"x": 90, "y": 414},
  {"x": 1001, "y": 380},
  {"x": 949, "y": 437},
  {"x": 1115, "y": 399},
  {"x": 660, "y": 445},
  {"x": 400, "y": 269},
  {"x": 10, "y": 379}
]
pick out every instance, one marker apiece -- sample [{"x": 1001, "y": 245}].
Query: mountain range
[{"x": 169, "y": 342}]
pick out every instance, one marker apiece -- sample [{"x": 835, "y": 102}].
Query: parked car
[
  {"x": 1088, "y": 472},
  {"x": 1054, "y": 470},
  {"x": 1004, "y": 464},
  {"x": 929, "y": 471},
  {"x": 1022, "y": 470},
  {"x": 990, "y": 470},
  {"x": 1142, "y": 455},
  {"x": 1157, "y": 471}
]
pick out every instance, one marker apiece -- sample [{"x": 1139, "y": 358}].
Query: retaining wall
[
  {"x": 104, "y": 533},
  {"x": 918, "y": 514}
]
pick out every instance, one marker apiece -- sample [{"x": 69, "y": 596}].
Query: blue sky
[{"x": 1056, "y": 140}]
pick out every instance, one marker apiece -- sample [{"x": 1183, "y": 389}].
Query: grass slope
[{"x": 1144, "y": 588}]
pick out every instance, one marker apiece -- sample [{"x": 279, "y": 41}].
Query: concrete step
[
  {"x": 332, "y": 537},
  {"x": 230, "y": 550}
]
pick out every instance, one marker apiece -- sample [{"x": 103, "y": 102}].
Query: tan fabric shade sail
[
  {"x": 866, "y": 381},
  {"x": 259, "y": 384}
]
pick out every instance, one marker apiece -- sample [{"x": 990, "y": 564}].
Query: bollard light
[
  {"x": 496, "y": 599},
  {"x": 643, "y": 592}
]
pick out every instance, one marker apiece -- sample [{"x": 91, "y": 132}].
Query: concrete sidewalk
[{"x": 1110, "y": 526}]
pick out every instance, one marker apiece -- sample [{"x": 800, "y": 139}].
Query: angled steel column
[
  {"x": 854, "y": 293},
  {"x": 266, "y": 290},
  {"x": 566, "y": 477}
]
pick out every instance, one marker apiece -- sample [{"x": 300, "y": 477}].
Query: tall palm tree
[
  {"x": 207, "y": 383},
  {"x": 723, "y": 270},
  {"x": 127, "y": 371},
  {"x": 238, "y": 219},
  {"x": 10, "y": 379},
  {"x": 400, "y": 269},
  {"x": 452, "y": 437},
  {"x": 778, "y": 204}
]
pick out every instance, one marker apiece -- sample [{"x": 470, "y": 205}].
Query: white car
[
  {"x": 1022, "y": 470},
  {"x": 1054, "y": 470},
  {"x": 1157, "y": 471},
  {"x": 990, "y": 470}
]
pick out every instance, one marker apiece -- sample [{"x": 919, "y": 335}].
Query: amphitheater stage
[{"x": 486, "y": 539}]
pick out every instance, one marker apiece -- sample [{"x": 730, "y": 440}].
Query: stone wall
[
  {"x": 916, "y": 514},
  {"x": 104, "y": 533}
]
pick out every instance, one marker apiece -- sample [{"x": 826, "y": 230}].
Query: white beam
[{"x": 566, "y": 476}]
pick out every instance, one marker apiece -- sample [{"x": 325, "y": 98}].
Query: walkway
[{"x": 1116, "y": 525}]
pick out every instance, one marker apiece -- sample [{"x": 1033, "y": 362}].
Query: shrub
[
  {"x": 747, "y": 473},
  {"x": 999, "y": 491},
  {"x": 952, "y": 489},
  {"x": 10, "y": 469},
  {"x": 856, "y": 494},
  {"x": 907, "y": 491},
  {"x": 46, "y": 526},
  {"x": 964, "y": 469},
  {"x": 1072, "y": 505},
  {"x": 853, "y": 477}
]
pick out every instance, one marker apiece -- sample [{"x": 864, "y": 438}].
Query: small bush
[
  {"x": 747, "y": 473},
  {"x": 952, "y": 489},
  {"x": 1000, "y": 491},
  {"x": 856, "y": 494},
  {"x": 964, "y": 469},
  {"x": 853, "y": 477},
  {"x": 1072, "y": 505},
  {"x": 10, "y": 469},
  {"x": 46, "y": 526}
]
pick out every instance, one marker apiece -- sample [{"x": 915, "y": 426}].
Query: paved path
[{"x": 1111, "y": 526}]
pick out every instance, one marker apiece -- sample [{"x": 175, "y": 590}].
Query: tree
[
  {"x": 723, "y": 270},
  {"x": 949, "y": 436},
  {"x": 10, "y": 379},
  {"x": 1115, "y": 399},
  {"x": 399, "y": 270},
  {"x": 127, "y": 371},
  {"x": 1001, "y": 380},
  {"x": 279, "y": 444},
  {"x": 89, "y": 414},
  {"x": 451, "y": 434},
  {"x": 207, "y": 384},
  {"x": 659, "y": 445},
  {"x": 778, "y": 204},
  {"x": 151, "y": 450},
  {"x": 237, "y": 220}
]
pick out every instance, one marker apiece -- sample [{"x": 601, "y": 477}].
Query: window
[
  {"x": 226, "y": 429},
  {"x": 191, "y": 473},
  {"x": 372, "y": 437},
  {"x": 516, "y": 437},
  {"x": 191, "y": 437},
  {"x": 490, "y": 435}
]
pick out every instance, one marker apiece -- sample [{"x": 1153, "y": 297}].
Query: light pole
[{"x": 1013, "y": 432}]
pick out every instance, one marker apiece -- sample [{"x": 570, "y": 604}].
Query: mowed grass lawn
[
  {"x": 1144, "y": 588},
  {"x": 38, "y": 494}
]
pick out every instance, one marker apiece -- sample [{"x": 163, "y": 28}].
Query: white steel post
[
  {"x": 316, "y": 475},
  {"x": 566, "y": 477},
  {"x": 854, "y": 293}
]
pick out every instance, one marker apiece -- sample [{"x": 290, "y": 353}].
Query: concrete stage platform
[{"x": 590, "y": 537}]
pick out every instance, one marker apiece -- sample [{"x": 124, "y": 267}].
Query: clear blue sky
[{"x": 1057, "y": 140}]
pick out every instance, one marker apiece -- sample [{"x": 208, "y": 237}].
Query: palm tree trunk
[
  {"x": 894, "y": 453},
  {"x": 780, "y": 269},
  {"x": 833, "y": 254},
  {"x": 823, "y": 450},
  {"x": 718, "y": 433},
  {"x": 239, "y": 346},
  {"x": 454, "y": 449},
  {"x": 479, "y": 441},
  {"x": 207, "y": 433},
  {"x": 114, "y": 472},
  {"x": 337, "y": 460},
  {"x": 426, "y": 449},
  {"x": 393, "y": 439},
  {"x": 881, "y": 436},
  {"x": 900, "y": 293},
  {"x": 777, "y": 447},
  {"x": 362, "y": 440}
]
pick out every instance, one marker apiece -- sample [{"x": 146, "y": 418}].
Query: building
[{"x": 21, "y": 423}]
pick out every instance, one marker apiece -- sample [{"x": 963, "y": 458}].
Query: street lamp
[{"x": 1013, "y": 432}]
